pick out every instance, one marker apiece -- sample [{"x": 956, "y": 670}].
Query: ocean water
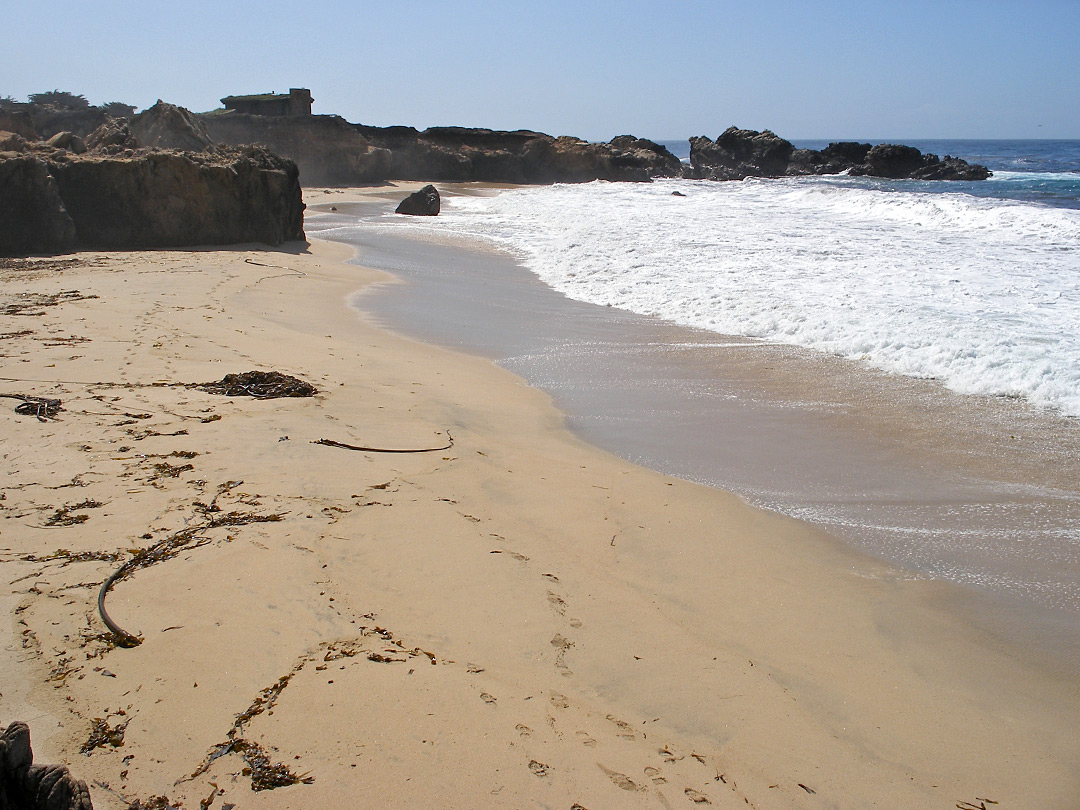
[
  {"x": 973, "y": 284},
  {"x": 748, "y": 327}
]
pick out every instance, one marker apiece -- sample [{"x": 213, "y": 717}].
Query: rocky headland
[
  {"x": 331, "y": 151},
  {"x": 741, "y": 153},
  {"x": 170, "y": 178}
]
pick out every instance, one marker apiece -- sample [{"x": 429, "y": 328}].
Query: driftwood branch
[{"x": 332, "y": 443}]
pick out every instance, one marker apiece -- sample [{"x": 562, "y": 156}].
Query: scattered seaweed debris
[
  {"x": 67, "y": 557},
  {"x": 34, "y": 303},
  {"x": 22, "y": 265},
  {"x": 166, "y": 470},
  {"x": 43, "y": 408},
  {"x": 172, "y": 546},
  {"x": 264, "y": 774},
  {"x": 155, "y": 803},
  {"x": 259, "y": 384},
  {"x": 102, "y": 734},
  {"x": 64, "y": 516}
]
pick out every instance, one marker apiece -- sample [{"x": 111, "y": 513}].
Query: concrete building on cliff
[{"x": 296, "y": 102}]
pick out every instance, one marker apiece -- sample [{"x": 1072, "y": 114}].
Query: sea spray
[{"x": 980, "y": 292}]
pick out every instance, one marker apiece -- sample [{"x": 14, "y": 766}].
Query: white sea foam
[{"x": 983, "y": 294}]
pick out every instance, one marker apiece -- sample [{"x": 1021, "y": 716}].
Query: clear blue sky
[{"x": 864, "y": 69}]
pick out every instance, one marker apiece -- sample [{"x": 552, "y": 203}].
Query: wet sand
[
  {"x": 519, "y": 620},
  {"x": 980, "y": 492}
]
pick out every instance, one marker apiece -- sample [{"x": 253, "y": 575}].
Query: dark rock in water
[
  {"x": 741, "y": 153},
  {"x": 25, "y": 786},
  {"x": 32, "y": 215},
  {"x": 891, "y": 160},
  {"x": 902, "y": 162},
  {"x": 422, "y": 203},
  {"x": 677, "y": 194},
  {"x": 170, "y": 127},
  {"x": 116, "y": 197}
]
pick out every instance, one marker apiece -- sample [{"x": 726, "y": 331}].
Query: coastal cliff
[
  {"x": 331, "y": 151},
  {"x": 326, "y": 148},
  {"x": 56, "y": 199}
]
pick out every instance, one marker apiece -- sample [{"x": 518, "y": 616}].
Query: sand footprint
[
  {"x": 539, "y": 768},
  {"x": 620, "y": 779},
  {"x": 563, "y": 645},
  {"x": 625, "y": 731},
  {"x": 586, "y": 740},
  {"x": 654, "y": 775},
  {"x": 695, "y": 796},
  {"x": 523, "y": 730}
]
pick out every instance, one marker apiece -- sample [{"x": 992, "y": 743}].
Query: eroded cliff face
[
  {"x": 326, "y": 148},
  {"x": 331, "y": 151},
  {"x": 459, "y": 154},
  {"x": 114, "y": 198}
]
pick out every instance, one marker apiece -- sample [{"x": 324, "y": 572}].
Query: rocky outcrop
[
  {"x": 331, "y": 151},
  {"x": 117, "y": 197},
  {"x": 741, "y": 153},
  {"x": 170, "y": 127},
  {"x": 422, "y": 203},
  {"x": 18, "y": 122},
  {"x": 32, "y": 215},
  {"x": 26, "y": 786},
  {"x": 67, "y": 140},
  {"x": 47, "y": 121},
  {"x": 114, "y": 132},
  {"x": 326, "y": 148},
  {"x": 459, "y": 154}
]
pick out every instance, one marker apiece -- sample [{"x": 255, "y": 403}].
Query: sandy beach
[{"x": 508, "y": 618}]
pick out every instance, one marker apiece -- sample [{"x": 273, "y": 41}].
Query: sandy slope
[{"x": 517, "y": 621}]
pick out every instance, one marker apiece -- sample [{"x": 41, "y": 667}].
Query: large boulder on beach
[
  {"x": 422, "y": 203},
  {"x": 26, "y": 786}
]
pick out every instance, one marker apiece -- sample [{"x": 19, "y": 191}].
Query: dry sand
[{"x": 518, "y": 621}]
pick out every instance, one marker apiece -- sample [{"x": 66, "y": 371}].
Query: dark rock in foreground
[
  {"x": 33, "y": 217},
  {"x": 741, "y": 153},
  {"x": 118, "y": 198},
  {"x": 422, "y": 203},
  {"x": 26, "y": 786}
]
